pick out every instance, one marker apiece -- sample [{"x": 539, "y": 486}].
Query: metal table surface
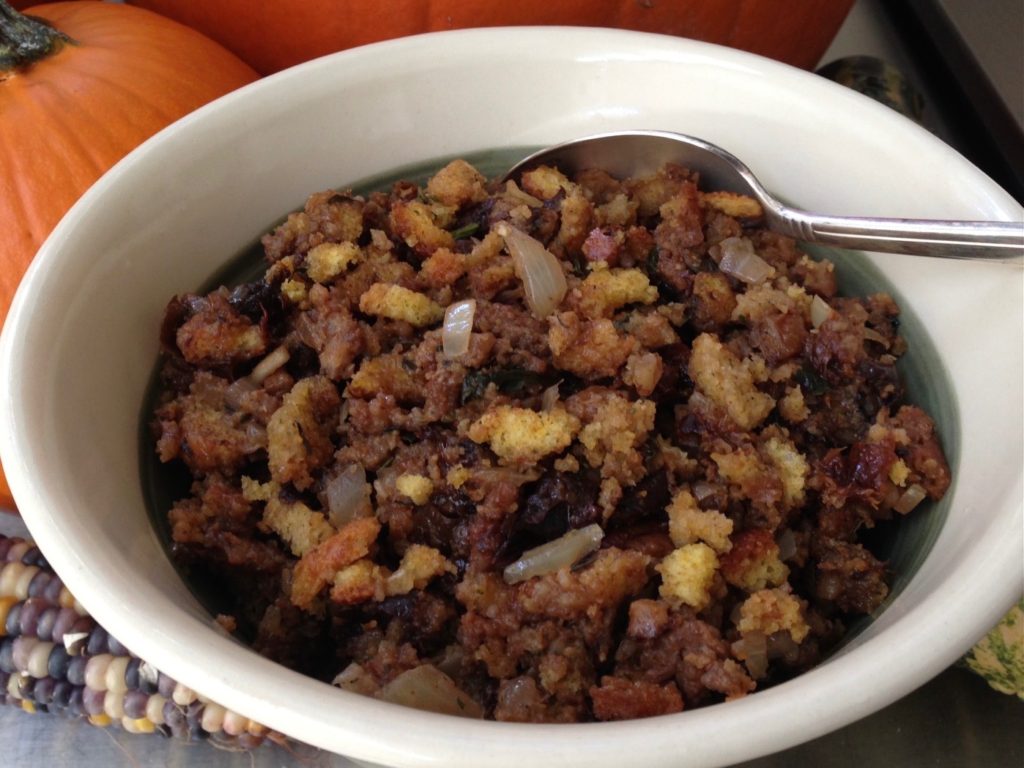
[{"x": 953, "y": 721}]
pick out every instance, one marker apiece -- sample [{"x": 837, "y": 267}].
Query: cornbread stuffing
[{"x": 559, "y": 449}]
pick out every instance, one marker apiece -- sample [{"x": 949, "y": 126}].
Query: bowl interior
[{"x": 903, "y": 543}]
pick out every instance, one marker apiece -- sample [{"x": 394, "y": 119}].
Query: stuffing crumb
[
  {"x": 754, "y": 563},
  {"x": 295, "y": 291},
  {"x": 421, "y": 226},
  {"x": 773, "y": 610},
  {"x": 415, "y": 487},
  {"x": 457, "y": 476},
  {"x": 398, "y": 303},
  {"x": 457, "y": 184},
  {"x": 606, "y": 290},
  {"x": 328, "y": 260},
  {"x": 720, "y": 375},
  {"x": 386, "y": 374},
  {"x": 254, "y": 490},
  {"x": 688, "y": 523},
  {"x": 522, "y": 435},
  {"x": 792, "y": 406},
  {"x": 592, "y": 349},
  {"x": 299, "y": 432},
  {"x": 733, "y": 204},
  {"x": 615, "y": 428},
  {"x": 361, "y": 581},
  {"x": 317, "y": 568},
  {"x": 792, "y": 467},
  {"x": 420, "y": 564},
  {"x": 545, "y": 182},
  {"x": 687, "y": 574},
  {"x": 298, "y": 525},
  {"x": 899, "y": 472},
  {"x": 643, "y": 372}
]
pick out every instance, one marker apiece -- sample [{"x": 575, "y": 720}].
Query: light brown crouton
[
  {"x": 732, "y": 204},
  {"x": 688, "y": 523},
  {"x": 643, "y": 372},
  {"x": 606, "y": 290},
  {"x": 753, "y": 563},
  {"x": 417, "y": 488},
  {"x": 687, "y": 574},
  {"x": 791, "y": 465},
  {"x": 418, "y": 225},
  {"x": 361, "y": 581},
  {"x": 545, "y": 182},
  {"x": 420, "y": 564},
  {"x": 773, "y": 610},
  {"x": 299, "y": 433},
  {"x": 592, "y": 349},
  {"x": 299, "y": 526},
  {"x": 398, "y": 303},
  {"x": 457, "y": 184},
  {"x": 793, "y": 407},
  {"x": 328, "y": 260},
  {"x": 522, "y": 435},
  {"x": 720, "y": 375},
  {"x": 318, "y": 566},
  {"x": 615, "y": 428},
  {"x": 385, "y": 374}
]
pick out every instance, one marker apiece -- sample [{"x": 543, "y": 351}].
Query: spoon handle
[{"x": 946, "y": 239}]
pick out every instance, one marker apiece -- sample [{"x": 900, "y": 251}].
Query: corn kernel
[
  {"x": 155, "y": 709},
  {"x": 96, "y": 671},
  {"x": 137, "y": 725},
  {"x": 24, "y": 579},
  {"x": 113, "y": 704},
  {"x": 115, "y": 674},
  {"x": 39, "y": 660},
  {"x": 6, "y": 603},
  {"x": 213, "y": 718}
]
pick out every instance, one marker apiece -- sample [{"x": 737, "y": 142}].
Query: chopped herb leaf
[{"x": 466, "y": 230}]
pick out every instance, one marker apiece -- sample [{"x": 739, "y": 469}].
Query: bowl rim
[{"x": 424, "y": 735}]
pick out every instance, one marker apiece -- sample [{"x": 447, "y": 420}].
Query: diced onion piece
[
  {"x": 549, "y": 557},
  {"x": 752, "y": 649},
  {"x": 512, "y": 190},
  {"x": 148, "y": 673},
  {"x": 872, "y": 335},
  {"x": 549, "y": 399},
  {"x": 740, "y": 261},
  {"x": 820, "y": 311},
  {"x": 702, "y": 490},
  {"x": 426, "y": 687},
  {"x": 543, "y": 279},
  {"x": 458, "y": 325},
  {"x": 787, "y": 545},
  {"x": 356, "y": 679},
  {"x": 269, "y": 364},
  {"x": 911, "y": 497},
  {"x": 347, "y": 495},
  {"x": 74, "y": 642},
  {"x": 781, "y": 645}
]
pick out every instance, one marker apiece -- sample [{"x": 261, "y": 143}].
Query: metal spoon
[{"x": 633, "y": 153}]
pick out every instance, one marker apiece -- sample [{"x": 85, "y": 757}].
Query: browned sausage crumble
[{"x": 694, "y": 423}]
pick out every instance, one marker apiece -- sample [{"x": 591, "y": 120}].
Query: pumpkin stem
[{"x": 25, "y": 39}]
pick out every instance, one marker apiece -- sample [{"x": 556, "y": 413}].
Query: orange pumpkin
[
  {"x": 274, "y": 35},
  {"x": 75, "y": 101}
]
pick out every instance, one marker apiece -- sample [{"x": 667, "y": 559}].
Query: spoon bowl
[{"x": 641, "y": 152}]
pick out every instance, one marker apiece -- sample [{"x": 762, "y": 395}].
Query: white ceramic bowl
[{"x": 80, "y": 344}]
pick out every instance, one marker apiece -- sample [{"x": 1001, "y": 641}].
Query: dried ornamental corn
[{"x": 55, "y": 658}]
